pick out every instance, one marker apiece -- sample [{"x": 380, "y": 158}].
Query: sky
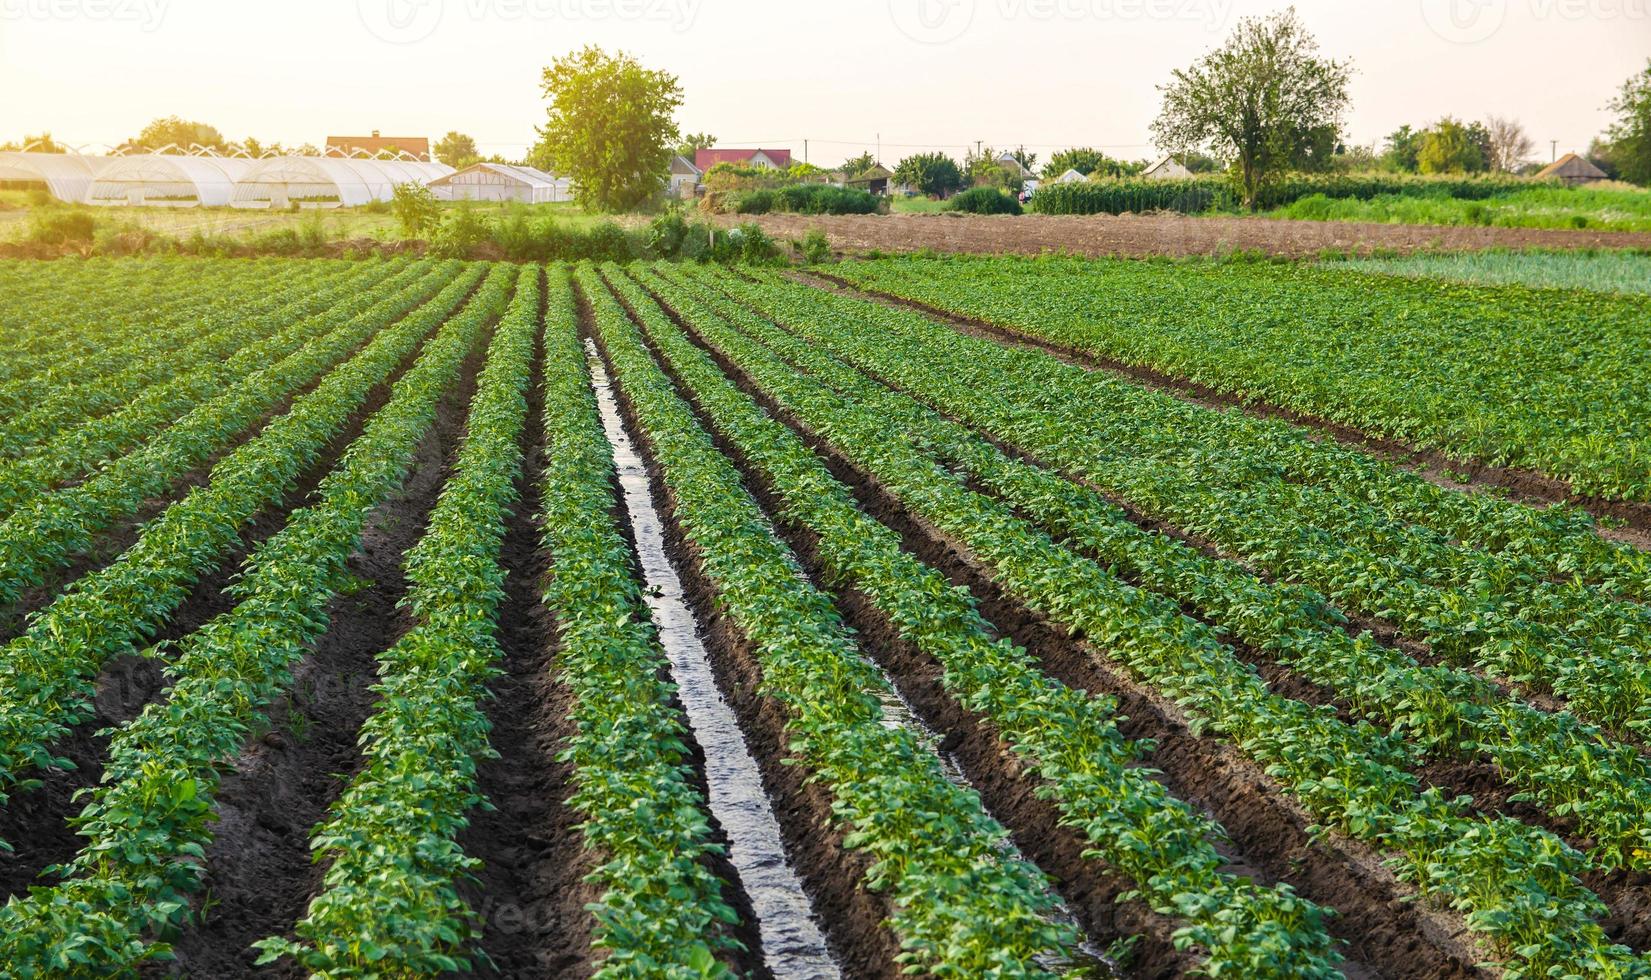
[{"x": 847, "y": 76}]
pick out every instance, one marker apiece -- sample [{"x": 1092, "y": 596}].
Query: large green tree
[
  {"x": 855, "y": 166},
  {"x": 181, "y": 133},
  {"x": 1450, "y": 147},
  {"x": 934, "y": 174},
  {"x": 688, "y": 145},
  {"x": 611, "y": 127},
  {"x": 1629, "y": 138},
  {"x": 1264, "y": 100},
  {"x": 456, "y": 150},
  {"x": 42, "y": 143}
]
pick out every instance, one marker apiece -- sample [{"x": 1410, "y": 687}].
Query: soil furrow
[
  {"x": 260, "y": 874},
  {"x": 35, "y": 821},
  {"x": 1382, "y": 929}
]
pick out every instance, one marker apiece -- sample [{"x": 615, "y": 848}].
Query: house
[
  {"x": 417, "y": 147},
  {"x": 1009, "y": 162},
  {"x": 502, "y": 182},
  {"x": 874, "y": 181},
  {"x": 1072, "y": 176},
  {"x": 1571, "y": 169},
  {"x": 762, "y": 159},
  {"x": 684, "y": 177},
  {"x": 1167, "y": 168}
]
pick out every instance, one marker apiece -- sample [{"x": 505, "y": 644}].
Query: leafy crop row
[
  {"x": 389, "y": 903},
  {"x": 1063, "y": 735},
  {"x": 1546, "y": 381},
  {"x": 960, "y": 907},
  {"x": 52, "y": 666},
  {"x": 1303, "y": 512},
  {"x": 1566, "y": 766},
  {"x": 1516, "y": 885},
  {"x": 148, "y": 824},
  {"x": 263, "y": 332}
]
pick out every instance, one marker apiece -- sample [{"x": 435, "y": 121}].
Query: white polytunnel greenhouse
[
  {"x": 67, "y": 176},
  {"x": 502, "y": 182},
  {"x": 158, "y": 180},
  {"x": 279, "y": 182}
]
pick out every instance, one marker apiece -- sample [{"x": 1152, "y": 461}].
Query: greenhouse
[
  {"x": 280, "y": 182},
  {"x": 502, "y": 182},
  {"x": 159, "y": 180},
  {"x": 67, "y": 176}
]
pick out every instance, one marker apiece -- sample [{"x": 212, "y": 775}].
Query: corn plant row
[
  {"x": 960, "y": 906},
  {"x": 1517, "y": 885},
  {"x": 208, "y": 334},
  {"x": 1562, "y": 540},
  {"x": 1489, "y": 373},
  {"x": 661, "y": 911},
  {"x": 1044, "y": 408},
  {"x": 47, "y": 464},
  {"x": 149, "y": 822},
  {"x": 52, "y": 667},
  {"x": 49, "y": 531},
  {"x": 1068, "y": 739},
  {"x": 389, "y": 903},
  {"x": 1568, "y": 767},
  {"x": 96, "y": 348}
]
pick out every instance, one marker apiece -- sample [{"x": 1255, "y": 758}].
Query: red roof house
[
  {"x": 775, "y": 159},
  {"x": 418, "y": 146}
]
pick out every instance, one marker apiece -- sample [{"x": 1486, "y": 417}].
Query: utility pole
[
  {"x": 977, "y": 147},
  {"x": 1553, "y": 150},
  {"x": 879, "y": 147},
  {"x": 805, "y": 151}
]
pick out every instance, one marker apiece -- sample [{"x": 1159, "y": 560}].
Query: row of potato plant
[
  {"x": 149, "y": 822},
  {"x": 268, "y": 331},
  {"x": 1567, "y": 766},
  {"x": 1517, "y": 885},
  {"x": 1064, "y": 736},
  {"x": 49, "y": 531},
  {"x": 389, "y": 902},
  {"x": 1569, "y": 638},
  {"x": 1491, "y": 373},
  {"x": 661, "y": 911},
  {"x": 54, "y": 664},
  {"x": 960, "y": 906}
]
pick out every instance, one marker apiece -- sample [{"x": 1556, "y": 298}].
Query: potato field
[{"x": 971, "y": 617}]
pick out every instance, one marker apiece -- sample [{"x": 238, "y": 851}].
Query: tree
[
  {"x": 1629, "y": 138},
  {"x": 1085, "y": 160},
  {"x": 258, "y": 148},
  {"x": 610, "y": 127},
  {"x": 1403, "y": 146},
  {"x": 986, "y": 169},
  {"x": 181, "y": 133},
  {"x": 934, "y": 174},
  {"x": 1260, "y": 100},
  {"x": 1510, "y": 145},
  {"x": 457, "y": 150},
  {"x": 855, "y": 166},
  {"x": 42, "y": 143},
  {"x": 416, "y": 208},
  {"x": 1025, "y": 159},
  {"x": 1450, "y": 148},
  {"x": 694, "y": 142}
]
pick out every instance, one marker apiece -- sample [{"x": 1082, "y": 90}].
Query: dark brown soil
[
  {"x": 1432, "y": 465},
  {"x": 1384, "y": 932},
  {"x": 850, "y": 916},
  {"x": 1161, "y": 234},
  {"x": 260, "y": 874},
  {"x": 34, "y": 821}
]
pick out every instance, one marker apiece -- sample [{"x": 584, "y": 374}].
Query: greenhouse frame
[
  {"x": 328, "y": 182},
  {"x": 67, "y": 176},
  {"x": 502, "y": 182},
  {"x": 161, "y": 180}
]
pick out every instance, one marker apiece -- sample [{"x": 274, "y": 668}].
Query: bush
[
  {"x": 753, "y": 202},
  {"x": 522, "y": 239},
  {"x": 815, "y": 247},
  {"x": 463, "y": 230},
  {"x": 416, "y": 209},
  {"x": 67, "y": 227},
  {"x": 796, "y": 199},
  {"x": 984, "y": 200}
]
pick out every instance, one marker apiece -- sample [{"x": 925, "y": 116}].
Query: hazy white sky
[{"x": 922, "y": 73}]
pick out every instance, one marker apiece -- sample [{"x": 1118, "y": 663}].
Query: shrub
[
  {"x": 66, "y": 227},
  {"x": 416, "y": 209},
  {"x": 754, "y": 202},
  {"x": 463, "y": 230},
  {"x": 984, "y": 200},
  {"x": 815, "y": 247}
]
